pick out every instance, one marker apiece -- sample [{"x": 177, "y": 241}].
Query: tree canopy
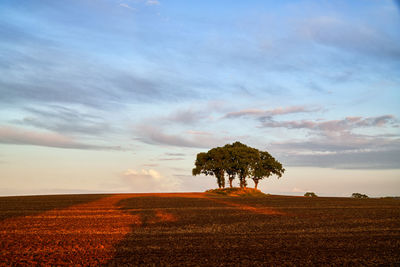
[{"x": 237, "y": 160}]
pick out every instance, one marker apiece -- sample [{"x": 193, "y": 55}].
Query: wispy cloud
[
  {"x": 336, "y": 144},
  {"x": 349, "y": 35},
  {"x": 333, "y": 125},
  {"x": 354, "y": 159},
  {"x": 269, "y": 113},
  {"x": 17, "y": 136},
  {"x": 170, "y": 159},
  {"x": 152, "y": 2},
  {"x": 175, "y": 154},
  {"x": 62, "y": 119},
  {"x": 126, "y": 6},
  {"x": 34, "y": 71},
  {"x": 157, "y": 136},
  {"x": 187, "y": 116}
]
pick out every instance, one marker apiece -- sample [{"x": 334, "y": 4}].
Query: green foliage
[
  {"x": 264, "y": 166},
  {"x": 358, "y": 195},
  {"x": 237, "y": 160},
  {"x": 310, "y": 194}
]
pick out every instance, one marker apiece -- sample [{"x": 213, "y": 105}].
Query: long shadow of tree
[{"x": 184, "y": 231}]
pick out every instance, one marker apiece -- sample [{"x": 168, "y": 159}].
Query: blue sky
[{"x": 120, "y": 96}]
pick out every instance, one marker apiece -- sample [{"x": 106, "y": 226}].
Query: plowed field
[{"x": 197, "y": 229}]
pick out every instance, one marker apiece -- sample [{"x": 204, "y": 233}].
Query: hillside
[{"x": 198, "y": 229}]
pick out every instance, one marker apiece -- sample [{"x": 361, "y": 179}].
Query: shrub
[
  {"x": 358, "y": 195},
  {"x": 310, "y": 194},
  {"x": 235, "y": 191}
]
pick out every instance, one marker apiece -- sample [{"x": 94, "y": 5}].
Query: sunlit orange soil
[
  {"x": 263, "y": 210},
  {"x": 199, "y": 229},
  {"x": 84, "y": 233},
  {"x": 76, "y": 235},
  {"x": 259, "y": 210}
]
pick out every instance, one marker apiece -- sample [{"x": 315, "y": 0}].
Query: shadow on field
[
  {"x": 30, "y": 205},
  {"x": 184, "y": 230},
  {"x": 198, "y": 230}
]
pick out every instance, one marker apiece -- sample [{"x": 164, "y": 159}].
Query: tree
[
  {"x": 244, "y": 157},
  {"x": 211, "y": 163},
  {"x": 358, "y": 195},
  {"x": 231, "y": 162},
  {"x": 237, "y": 160},
  {"x": 264, "y": 166},
  {"x": 216, "y": 160},
  {"x": 310, "y": 194}
]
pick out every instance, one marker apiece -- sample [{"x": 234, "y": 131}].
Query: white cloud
[
  {"x": 126, "y": 6},
  {"x": 149, "y": 181},
  {"x": 152, "y": 2},
  {"x": 298, "y": 190}
]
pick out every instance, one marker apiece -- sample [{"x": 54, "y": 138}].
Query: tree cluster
[
  {"x": 237, "y": 160},
  {"x": 310, "y": 194},
  {"x": 358, "y": 195}
]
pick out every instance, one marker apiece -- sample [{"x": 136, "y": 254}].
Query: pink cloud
[
  {"x": 270, "y": 113},
  {"x": 333, "y": 125}
]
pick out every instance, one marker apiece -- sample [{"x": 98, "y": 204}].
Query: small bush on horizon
[
  {"x": 310, "y": 194},
  {"x": 358, "y": 195}
]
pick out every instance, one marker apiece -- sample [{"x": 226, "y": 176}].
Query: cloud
[
  {"x": 333, "y": 125},
  {"x": 175, "y": 154},
  {"x": 269, "y": 113},
  {"x": 339, "y": 143},
  {"x": 62, "y": 119},
  {"x": 102, "y": 88},
  {"x": 198, "y": 132},
  {"x": 152, "y": 2},
  {"x": 335, "y": 145},
  {"x": 298, "y": 190},
  {"x": 156, "y": 136},
  {"x": 33, "y": 70},
  {"x": 170, "y": 159},
  {"x": 187, "y": 116},
  {"x": 378, "y": 159},
  {"x": 349, "y": 35},
  {"x": 149, "y": 181},
  {"x": 153, "y": 135},
  {"x": 126, "y": 6},
  {"x": 16, "y": 136}
]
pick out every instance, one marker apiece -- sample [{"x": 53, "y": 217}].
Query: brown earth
[{"x": 198, "y": 229}]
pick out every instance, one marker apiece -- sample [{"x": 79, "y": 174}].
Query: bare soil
[{"x": 192, "y": 229}]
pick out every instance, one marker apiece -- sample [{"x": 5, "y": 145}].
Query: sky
[{"x": 120, "y": 96}]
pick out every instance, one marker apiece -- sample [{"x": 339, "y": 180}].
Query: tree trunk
[
  {"x": 243, "y": 183},
  {"x": 230, "y": 182},
  {"x": 255, "y": 183}
]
